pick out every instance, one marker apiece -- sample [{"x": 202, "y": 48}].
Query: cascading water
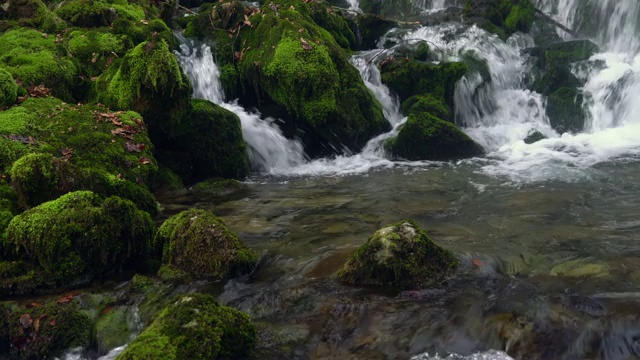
[{"x": 269, "y": 150}]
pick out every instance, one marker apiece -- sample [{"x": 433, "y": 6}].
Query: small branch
[{"x": 556, "y": 23}]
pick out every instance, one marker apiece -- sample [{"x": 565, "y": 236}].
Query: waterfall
[{"x": 269, "y": 150}]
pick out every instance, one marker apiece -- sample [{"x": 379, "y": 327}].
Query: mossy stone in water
[
  {"x": 198, "y": 242},
  {"x": 195, "y": 327},
  {"x": 8, "y": 89},
  {"x": 426, "y": 137},
  {"x": 400, "y": 256},
  {"x": 565, "y": 111}
]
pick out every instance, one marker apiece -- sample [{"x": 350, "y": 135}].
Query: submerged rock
[
  {"x": 195, "y": 327},
  {"x": 198, "y": 242},
  {"x": 401, "y": 256}
]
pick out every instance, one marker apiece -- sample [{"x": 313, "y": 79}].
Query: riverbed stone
[
  {"x": 198, "y": 242},
  {"x": 195, "y": 326},
  {"x": 400, "y": 256}
]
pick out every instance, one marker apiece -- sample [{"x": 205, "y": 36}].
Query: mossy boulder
[
  {"x": 501, "y": 17},
  {"x": 392, "y": 8},
  {"x": 148, "y": 80},
  {"x": 565, "y": 110},
  {"x": 86, "y": 147},
  {"x": 48, "y": 330},
  {"x": 409, "y": 77},
  {"x": 79, "y": 234},
  {"x": 35, "y": 59},
  {"x": 400, "y": 256},
  {"x": 290, "y": 67},
  {"x": 534, "y": 136},
  {"x": 426, "y": 137},
  {"x": 371, "y": 28},
  {"x": 97, "y": 13},
  {"x": 429, "y": 104},
  {"x": 198, "y": 242},
  {"x": 8, "y": 89},
  {"x": 32, "y": 13},
  {"x": 205, "y": 143},
  {"x": 114, "y": 327},
  {"x": 195, "y": 327}
]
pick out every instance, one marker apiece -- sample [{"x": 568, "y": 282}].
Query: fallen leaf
[
  {"x": 26, "y": 320},
  {"x": 130, "y": 146},
  {"x": 36, "y": 325},
  {"x": 477, "y": 263},
  {"x": 144, "y": 160},
  {"x": 38, "y": 91},
  {"x": 53, "y": 322},
  {"x": 305, "y": 44},
  {"x": 144, "y": 22},
  {"x": 33, "y": 305}
]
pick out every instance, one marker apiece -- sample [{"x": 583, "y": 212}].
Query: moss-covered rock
[
  {"x": 392, "y": 8},
  {"x": 409, "y": 78},
  {"x": 97, "y": 13},
  {"x": 501, "y": 17},
  {"x": 534, "y": 136},
  {"x": 35, "y": 59},
  {"x": 401, "y": 256},
  {"x": 195, "y": 327},
  {"x": 426, "y": 137},
  {"x": 428, "y": 104},
  {"x": 198, "y": 242},
  {"x": 371, "y": 28},
  {"x": 113, "y": 328},
  {"x": 32, "y": 13},
  {"x": 565, "y": 111},
  {"x": 88, "y": 148},
  {"x": 8, "y": 89},
  {"x": 48, "y": 330},
  {"x": 148, "y": 80},
  {"x": 292, "y": 68},
  {"x": 206, "y": 142},
  {"x": 80, "y": 234}
]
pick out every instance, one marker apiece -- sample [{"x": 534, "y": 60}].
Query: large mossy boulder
[
  {"x": 51, "y": 148},
  {"x": 31, "y": 13},
  {"x": 198, "y": 242},
  {"x": 47, "y": 330},
  {"x": 565, "y": 110},
  {"x": 400, "y": 256},
  {"x": 8, "y": 89},
  {"x": 206, "y": 143},
  {"x": 426, "y": 137},
  {"x": 79, "y": 235},
  {"x": 35, "y": 59},
  {"x": 292, "y": 68},
  {"x": 195, "y": 327}
]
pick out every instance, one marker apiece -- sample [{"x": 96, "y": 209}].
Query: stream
[{"x": 547, "y": 232}]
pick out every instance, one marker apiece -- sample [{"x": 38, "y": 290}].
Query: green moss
[
  {"x": 426, "y": 104},
  {"x": 53, "y": 329},
  {"x": 294, "y": 69},
  {"x": 79, "y": 233},
  {"x": 178, "y": 332},
  {"x": 113, "y": 329},
  {"x": 401, "y": 256},
  {"x": 35, "y": 14},
  {"x": 95, "y": 48},
  {"x": 35, "y": 175},
  {"x": 565, "y": 111},
  {"x": 554, "y": 79},
  {"x": 534, "y": 136},
  {"x": 209, "y": 142},
  {"x": 149, "y": 80},
  {"x": 408, "y": 78},
  {"x": 426, "y": 137},
  {"x": 35, "y": 59},
  {"x": 520, "y": 17},
  {"x": 198, "y": 242},
  {"x": 372, "y": 28},
  {"x": 565, "y": 53},
  {"x": 8, "y": 89},
  {"x": 96, "y": 13}
]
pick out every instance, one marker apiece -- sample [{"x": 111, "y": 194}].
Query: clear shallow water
[{"x": 559, "y": 274}]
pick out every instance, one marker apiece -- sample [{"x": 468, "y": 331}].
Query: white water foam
[
  {"x": 487, "y": 355},
  {"x": 269, "y": 150}
]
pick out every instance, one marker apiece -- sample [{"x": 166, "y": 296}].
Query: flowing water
[{"x": 548, "y": 233}]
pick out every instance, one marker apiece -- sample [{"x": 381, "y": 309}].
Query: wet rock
[
  {"x": 399, "y": 256},
  {"x": 581, "y": 267},
  {"x": 198, "y": 242},
  {"x": 534, "y": 136},
  {"x": 179, "y": 330},
  {"x": 501, "y": 17}
]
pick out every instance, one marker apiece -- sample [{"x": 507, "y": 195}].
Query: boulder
[
  {"x": 501, "y": 17},
  {"x": 77, "y": 235},
  {"x": 195, "y": 327},
  {"x": 400, "y": 256},
  {"x": 291, "y": 68},
  {"x": 198, "y": 242},
  {"x": 426, "y": 137},
  {"x": 565, "y": 110}
]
